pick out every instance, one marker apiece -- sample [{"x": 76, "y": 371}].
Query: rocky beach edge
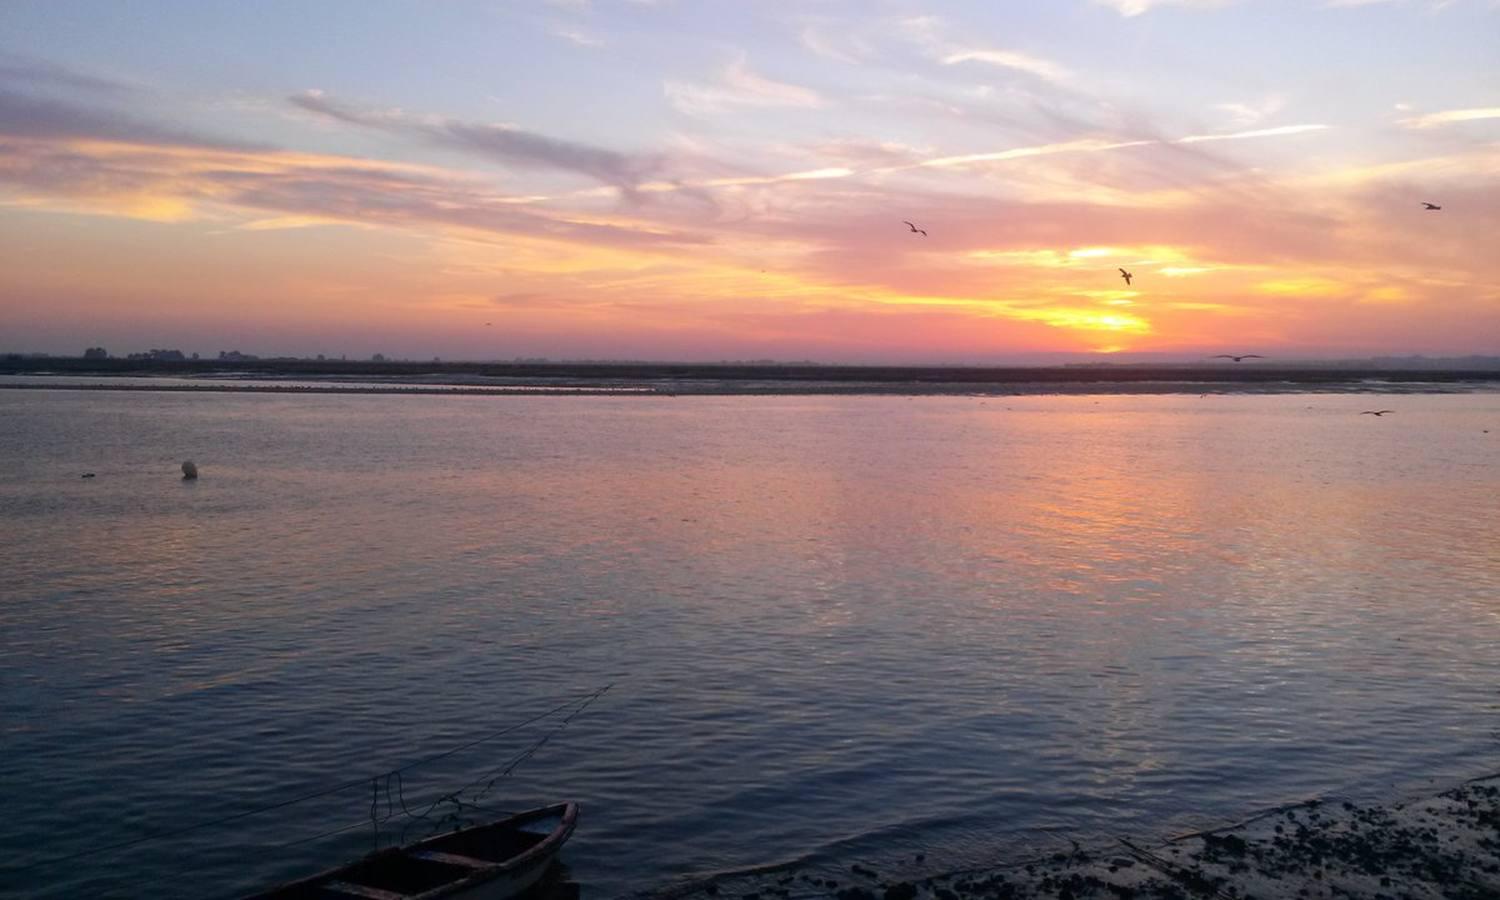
[{"x": 1445, "y": 846}]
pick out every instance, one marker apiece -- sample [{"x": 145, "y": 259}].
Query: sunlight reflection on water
[{"x": 843, "y": 628}]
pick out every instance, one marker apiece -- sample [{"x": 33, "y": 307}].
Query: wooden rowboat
[{"x": 483, "y": 862}]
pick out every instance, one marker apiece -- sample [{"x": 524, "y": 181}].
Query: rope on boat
[
  {"x": 531, "y": 751},
  {"x": 456, "y": 797},
  {"x": 584, "y": 699}
]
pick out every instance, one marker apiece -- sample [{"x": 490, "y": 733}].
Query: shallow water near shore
[{"x": 840, "y": 628}]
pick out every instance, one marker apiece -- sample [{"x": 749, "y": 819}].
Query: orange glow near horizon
[{"x": 364, "y": 227}]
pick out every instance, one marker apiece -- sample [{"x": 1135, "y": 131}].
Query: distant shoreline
[
  {"x": 703, "y": 379},
  {"x": 272, "y": 388},
  {"x": 742, "y": 388},
  {"x": 582, "y": 375}
]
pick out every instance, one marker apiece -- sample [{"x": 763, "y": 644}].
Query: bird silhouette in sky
[
  {"x": 1238, "y": 358},
  {"x": 1376, "y": 412},
  {"x": 914, "y": 229},
  {"x": 1430, "y": 206},
  {"x": 486, "y": 324},
  {"x": 1127, "y": 276}
]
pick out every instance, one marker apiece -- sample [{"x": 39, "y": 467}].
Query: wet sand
[{"x": 1442, "y": 846}]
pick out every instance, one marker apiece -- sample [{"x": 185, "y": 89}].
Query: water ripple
[{"x": 842, "y": 628}]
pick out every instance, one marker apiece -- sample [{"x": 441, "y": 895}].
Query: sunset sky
[{"x": 709, "y": 179}]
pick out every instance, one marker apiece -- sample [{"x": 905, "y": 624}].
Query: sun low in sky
[{"x": 707, "y": 179}]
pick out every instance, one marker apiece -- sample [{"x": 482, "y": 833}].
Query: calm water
[{"x": 840, "y": 629}]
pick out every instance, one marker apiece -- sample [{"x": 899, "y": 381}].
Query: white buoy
[{"x": 189, "y": 471}]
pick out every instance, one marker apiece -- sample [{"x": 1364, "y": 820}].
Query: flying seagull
[
  {"x": 1426, "y": 205},
  {"x": 914, "y": 229},
  {"x": 1238, "y": 358},
  {"x": 1127, "y": 276},
  {"x": 1376, "y": 412}
]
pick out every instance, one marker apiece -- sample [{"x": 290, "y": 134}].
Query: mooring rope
[
  {"x": 531, "y": 751},
  {"x": 456, "y": 798},
  {"x": 322, "y": 792}
]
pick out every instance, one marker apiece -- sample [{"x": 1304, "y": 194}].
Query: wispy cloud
[
  {"x": 1010, "y": 59},
  {"x": 1244, "y": 115},
  {"x": 66, "y": 155},
  {"x": 842, "y": 49},
  {"x": 27, "y": 116},
  {"x": 279, "y": 188},
  {"x": 1139, "y": 7},
  {"x": 1099, "y": 145},
  {"x": 38, "y": 73},
  {"x": 933, "y": 35},
  {"x": 1258, "y": 133},
  {"x": 747, "y": 180},
  {"x": 500, "y": 143},
  {"x": 738, "y": 86},
  {"x": 577, "y": 38},
  {"x": 1085, "y": 145},
  {"x": 1449, "y": 117},
  {"x": 1432, "y": 5}
]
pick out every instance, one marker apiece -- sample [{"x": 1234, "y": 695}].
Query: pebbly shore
[{"x": 1442, "y": 847}]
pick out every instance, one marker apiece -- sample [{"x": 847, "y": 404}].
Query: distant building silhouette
[
  {"x": 379, "y": 357},
  {"x": 236, "y": 356},
  {"x": 96, "y": 353},
  {"x": 158, "y": 355}
]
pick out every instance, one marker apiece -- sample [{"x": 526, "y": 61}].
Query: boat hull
[
  {"x": 511, "y": 884},
  {"x": 495, "y": 861}
]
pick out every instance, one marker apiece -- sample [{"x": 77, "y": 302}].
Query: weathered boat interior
[{"x": 432, "y": 864}]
